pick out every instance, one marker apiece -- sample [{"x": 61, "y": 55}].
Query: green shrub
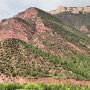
[
  {"x": 42, "y": 86},
  {"x": 12, "y": 86},
  {"x": 33, "y": 86}
]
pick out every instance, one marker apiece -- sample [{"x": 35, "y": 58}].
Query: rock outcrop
[{"x": 71, "y": 10}]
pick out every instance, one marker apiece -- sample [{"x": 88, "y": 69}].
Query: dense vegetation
[
  {"x": 75, "y": 20},
  {"x": 26, "y": 61},
  {"x": 76, "y": 64},
  {"x": 13, "y": 62},
  {"x": 42, "y": 86}
]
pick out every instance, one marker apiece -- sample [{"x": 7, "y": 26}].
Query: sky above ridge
[{"x": 9, "y": 8}]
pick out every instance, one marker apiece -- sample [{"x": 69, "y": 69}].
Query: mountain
[
  {"x": 75, "y": 10},
  {"x": 76, "y": 17},
  {"x": 35, "y": 43}
]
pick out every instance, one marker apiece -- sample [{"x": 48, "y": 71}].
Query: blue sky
[{"x": 8, "y": 8}]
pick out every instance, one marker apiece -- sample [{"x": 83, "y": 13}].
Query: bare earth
[
  {"x": 52, "y": 80},
  {"x": 4, "y": 79}
]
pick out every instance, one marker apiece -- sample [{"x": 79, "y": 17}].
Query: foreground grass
[{"x": 41, "y": 86}]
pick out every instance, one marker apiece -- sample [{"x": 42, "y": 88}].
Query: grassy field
[{"x": 41, "y": 86}]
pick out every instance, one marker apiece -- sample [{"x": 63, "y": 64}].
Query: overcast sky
[{"x": 8, "y": 8}]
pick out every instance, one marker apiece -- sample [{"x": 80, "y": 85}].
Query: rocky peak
[
  {"x": 77, "y": 10},
  {"x": 21, "y": 26},
  {"x": 30, "y": 13}
]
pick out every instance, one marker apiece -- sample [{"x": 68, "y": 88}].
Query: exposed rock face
[
  {"x": 30, "y": 13},
  {"x": 83, "y": 28},
  {"x": 22, "y": 26},
  {"x": 10, "y": 29},
  {"x": 71, "y": 10}
]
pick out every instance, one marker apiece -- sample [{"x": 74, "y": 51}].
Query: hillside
[
  {"x": 36, "y": 44},
  {"x": 76, "y": 17}
]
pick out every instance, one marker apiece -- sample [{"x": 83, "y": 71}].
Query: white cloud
[{"x": 9, "y": 8}]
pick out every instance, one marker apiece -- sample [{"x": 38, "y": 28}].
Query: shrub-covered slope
[
  {"x": 19, "y": 58},
  {"x": 79, "y": 21},
  {"x": 35, "y": 43}
]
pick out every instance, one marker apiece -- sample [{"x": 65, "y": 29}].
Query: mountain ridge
[
  {"x": 75, "y": 10},
  {"x": 78, "y": 20},
  {"x": 35, "y": 43}
]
